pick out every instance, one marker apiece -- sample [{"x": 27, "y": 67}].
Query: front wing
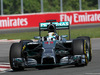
[{"x": 68, "y": 60}]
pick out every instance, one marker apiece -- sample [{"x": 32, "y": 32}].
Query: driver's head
[{"x": 52, "y": 35}]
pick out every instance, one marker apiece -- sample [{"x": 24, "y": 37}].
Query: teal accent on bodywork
[
  {"x": 44, "y": 25},
  {"x": 19, "y": 60},
  {"x": 58, "y": 25}
]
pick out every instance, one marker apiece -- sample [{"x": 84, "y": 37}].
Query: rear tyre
[
  {"x": 79, "y": 48},
  {"x": 15, "y": 52},
  {"x": 88, "y": 41}
]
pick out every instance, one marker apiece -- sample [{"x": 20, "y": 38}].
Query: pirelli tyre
[
  {"x": 15, "y": 52},
  {"x": 88, "y": 41},
  {"x": 79, "y": 48}
]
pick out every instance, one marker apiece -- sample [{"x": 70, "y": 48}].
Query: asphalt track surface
[
  {"x": 3, "y": 31},
  {"x": 93, "y": 67}
]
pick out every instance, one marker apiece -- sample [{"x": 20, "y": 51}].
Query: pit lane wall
[{"x": 33, "y": 20}]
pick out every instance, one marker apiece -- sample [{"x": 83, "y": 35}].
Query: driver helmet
[{"x": 52, "y": 35}]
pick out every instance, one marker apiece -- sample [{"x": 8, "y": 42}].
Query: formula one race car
[{"x": 51, "y": 50}]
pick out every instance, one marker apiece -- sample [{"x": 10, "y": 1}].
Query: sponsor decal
[
  {"x": 51, "y": 42},
  {"x": 60, "y": 24},
  {"x": 77, "y": 17},
  {"x": 65, "y": 17},
  {"x": 44, "y": 24},
  {"x": 13, "y": 22},
  {"x": 46, "y": 42},
  {"x": 86, "y": 17},
  {"x": 33, "y": 20}
]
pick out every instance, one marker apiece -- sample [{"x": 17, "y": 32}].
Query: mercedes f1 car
[{"x": 52, "y": 49}]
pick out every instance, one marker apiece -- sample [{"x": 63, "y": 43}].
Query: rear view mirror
[
  {"x": 37, "y": 37},
  {"x": 64, "y": 36}
]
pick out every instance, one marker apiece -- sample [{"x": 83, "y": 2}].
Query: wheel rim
[{"x": 88, "y": 56}]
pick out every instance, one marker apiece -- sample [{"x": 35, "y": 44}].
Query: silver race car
[{"x": 51, "y": 50}]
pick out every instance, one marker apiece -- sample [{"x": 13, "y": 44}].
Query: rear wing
[{"x": 59, "y": 26}]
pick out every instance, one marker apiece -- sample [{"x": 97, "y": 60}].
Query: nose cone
[{"x": 48, "y": 55}]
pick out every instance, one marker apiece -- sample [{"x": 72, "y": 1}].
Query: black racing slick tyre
[
  {"x": 88, "y": 41},
  {"x": 79, "y": 48},
  {"x": 15, "y": 52}
]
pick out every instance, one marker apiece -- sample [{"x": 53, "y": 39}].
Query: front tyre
[
  {"x": 79, "y": 48},
  {"x": 88, "y": 41},
  {"x": 15, "y": 52}
]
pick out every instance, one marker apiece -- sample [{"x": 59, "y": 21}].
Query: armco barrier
[{"x": 33, "y": 20}]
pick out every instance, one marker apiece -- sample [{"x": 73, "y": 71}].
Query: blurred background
[
  {"x": 8, "y": 7},
  {"x": 15, "y": 7}
]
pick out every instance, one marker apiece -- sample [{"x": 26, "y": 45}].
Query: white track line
[
  {"x": 12, "y": 40},
  {"x": 92, "y": 73},
  {"x": 5, "y": 40},
  {"x": 4, "y": 66}
]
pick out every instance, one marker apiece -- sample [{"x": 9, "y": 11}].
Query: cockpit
[{"x": 51, "y": 37}]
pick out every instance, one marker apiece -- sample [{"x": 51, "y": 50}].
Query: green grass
[{"x": 91, "y": 32}]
